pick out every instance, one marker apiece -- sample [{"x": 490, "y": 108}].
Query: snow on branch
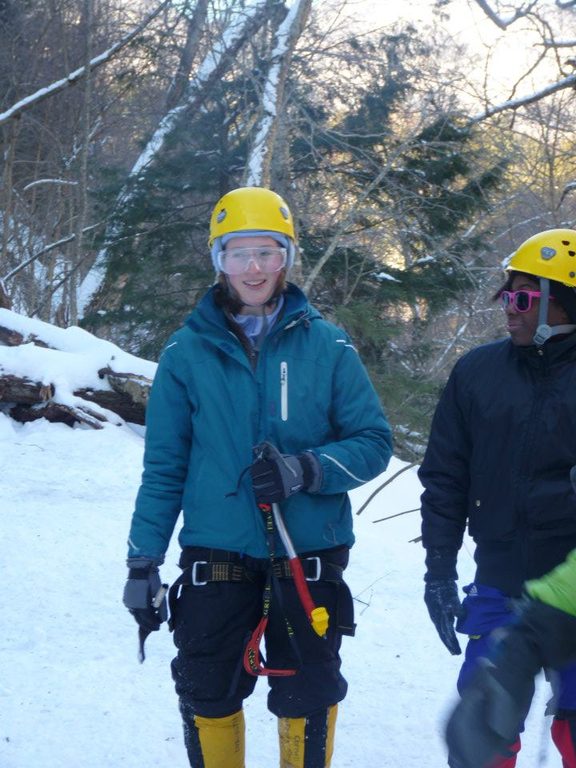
[
  {"x": 514, "y": 104},
  {"x": 551, "y": 43},
  {"x": 211, "y": 69},
  {"x": 29, "y": 101},
  {"x": 287, "y": 34},
  {"x": 570, "y": 187},
  {"x": 504, "y": 23},
  {"x": 56, "y": 182}
]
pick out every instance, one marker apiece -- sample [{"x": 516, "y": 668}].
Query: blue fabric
[
  {"x": 488, "y": 609},
  {"x": 252, "y": 325},
  {"x": 566, "y": 688},
  {"x": 208, "y": 408}
]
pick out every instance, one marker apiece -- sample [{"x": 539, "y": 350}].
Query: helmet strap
[{"x": 544, "y": 331}]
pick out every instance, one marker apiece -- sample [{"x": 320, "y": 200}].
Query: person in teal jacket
[{"x": 259, "y": 408}]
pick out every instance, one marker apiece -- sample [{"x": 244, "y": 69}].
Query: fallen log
[
  {"x": 22, "y": 393},
  {"x": 57, "y": 412},
  {"x": 118, "y": 402},
  {"x": 12, "y": 338},
  {"x": 122, "y": 393},
  {"x": 135, "y": 386},
  {"x": 14, "y": 389}
]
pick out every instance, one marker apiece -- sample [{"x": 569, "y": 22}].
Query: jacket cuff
[
  {"x": 441, "y": 564},
  {"x": 144, "y": 563},
  {"x": 311, "y": 472}
]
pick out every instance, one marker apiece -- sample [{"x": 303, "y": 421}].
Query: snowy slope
[{"x": 72, "y": 693}]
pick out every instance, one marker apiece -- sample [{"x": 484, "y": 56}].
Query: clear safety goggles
[
  {"x": 521, "y": 301},
  {"x": 237, "y": 260}
]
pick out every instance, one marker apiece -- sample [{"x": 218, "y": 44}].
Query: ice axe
[
  {"x": 268, "y": 504},
  {"x": 318, "y": 615}
]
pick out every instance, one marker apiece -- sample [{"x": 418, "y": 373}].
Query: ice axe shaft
[{"x": 319, "y": 617}]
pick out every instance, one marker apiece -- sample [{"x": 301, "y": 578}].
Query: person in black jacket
[{"x": 502, "y": 443}]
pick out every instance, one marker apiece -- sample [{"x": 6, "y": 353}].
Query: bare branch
[
  {"x": 397, "y": 514},
  {"x": 514, "y": 104},
  {"x": 345, "y": 222},
  {"x": 44, "y": 251},
  {"x": 29, "y": 101},
  {"x": 498, "y": 20},
  {"x": 387, "y": 482}
]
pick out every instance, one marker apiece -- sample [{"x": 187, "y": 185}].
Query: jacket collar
[
  {"x": 208, "y": 314},
  {"x": 553, "y": 351}
]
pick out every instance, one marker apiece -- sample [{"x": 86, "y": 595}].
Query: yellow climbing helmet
[
  {"x": 550, "y": 254},
  {"x": 250, "y": 209}
]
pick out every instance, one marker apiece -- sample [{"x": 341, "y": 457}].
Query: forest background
[{"x": 417, "y": 146}]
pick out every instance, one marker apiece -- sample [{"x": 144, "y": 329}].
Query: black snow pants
[{"x": 213, "y": 621}]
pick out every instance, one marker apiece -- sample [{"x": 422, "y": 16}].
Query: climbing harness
[{"x": 318, "y": 616}]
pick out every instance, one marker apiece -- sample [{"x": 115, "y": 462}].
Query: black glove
[
  {"x": 275, "y": 476},
  {"x": 145, "y": 595},
  {"x": 444, "y": 607}
]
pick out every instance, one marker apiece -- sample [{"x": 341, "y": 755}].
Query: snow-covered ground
[{"x": 72, "y": 693}]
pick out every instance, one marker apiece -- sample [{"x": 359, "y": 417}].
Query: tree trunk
[
  {"x": 258, "y": 166},
  {"x": 193, "y": 35},
  {"x": 77, "y": 253}
]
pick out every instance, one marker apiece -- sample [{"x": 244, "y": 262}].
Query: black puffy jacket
[{"x": 502, "y": 443}]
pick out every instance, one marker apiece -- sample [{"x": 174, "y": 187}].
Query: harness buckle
[
  {"x": 195, "y": 581},
  {"x": 318, "y": 563}
]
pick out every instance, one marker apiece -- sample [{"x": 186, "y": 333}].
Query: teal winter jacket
[{"x": 210, "y": 405}]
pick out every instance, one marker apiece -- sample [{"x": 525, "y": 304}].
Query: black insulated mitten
[{"x": 444, "y": 607}]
